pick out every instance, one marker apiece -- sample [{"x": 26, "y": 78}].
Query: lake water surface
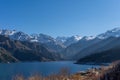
[{"x": 45, "y": 68}]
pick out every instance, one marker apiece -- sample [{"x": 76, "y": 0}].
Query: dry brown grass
[
  {"x": 18, "y": 77},
  {"x": 55, "y": 77},
  {"x": 63, "y": 74}
]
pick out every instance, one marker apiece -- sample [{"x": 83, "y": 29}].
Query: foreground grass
[
  {"x": 55, "y": 77},
  {"x": 63, "y": 74}
]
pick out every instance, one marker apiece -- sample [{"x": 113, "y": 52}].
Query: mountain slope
[
  {"x": 107, "y": 56},
  {"x": 103, "y": 45},
  {"x": 68, "y": 40},
  {"x": 73, "y": 49},
  {"x": 110, "y": 33},
  {"x": 6, "y": 56},
  {"x": 89, "y": 45},
  {"x": 49, "y": 42},
  {"x": 26, "y": 51}
]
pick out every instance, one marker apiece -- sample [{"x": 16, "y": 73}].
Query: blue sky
[{"x": 60, "y": 17}]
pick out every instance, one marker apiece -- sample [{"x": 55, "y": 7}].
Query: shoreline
[{"x": 93, "y": 63}]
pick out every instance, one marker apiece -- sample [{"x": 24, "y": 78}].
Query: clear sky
[{"x": 60, "y": 17}]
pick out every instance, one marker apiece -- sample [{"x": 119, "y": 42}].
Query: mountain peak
[
  {"x": 115, "y": 32},
  {"x": 7, "y": 32},
  {"x": 115, "y": 29},
  {"x": 88, "y": 37},
  {"x": 77, "y": 37}
]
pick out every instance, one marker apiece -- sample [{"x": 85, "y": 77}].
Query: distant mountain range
[
  {"x": 91, "y": 45},
  {"x": 105, "y": 50},
  {"x": 44, "y": 47},
  {"x": 14, "y": 50},
  {"x": 55, "y": 44}
]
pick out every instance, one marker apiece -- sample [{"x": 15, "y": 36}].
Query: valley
[
  {"x": 19, "y": 46},
  {"x": 46, "y": 54}
]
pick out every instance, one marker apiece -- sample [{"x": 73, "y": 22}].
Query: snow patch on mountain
[
  {"x": 110, "y": 33},
  {"x": 69, "y": 40},
  {"x": 87, "y": 38},
  {"x": 66, "y": 41},
  {"x": 7, "y": 32}
]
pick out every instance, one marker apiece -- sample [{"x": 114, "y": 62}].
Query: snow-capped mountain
[
  {"x": 76, "y": 37},
  {"x": 48, "y": 41},
  {"x": 69, "y": 40},
  {"x": 43, "y": 38},
  {"x": 61, "y": 39},
  {"x": 7, "y": 32},
  {"x": 72, "y": 40},
  {"x": 20, "y": 36},
  {"x": 91, "y": 44},
  {"x": 87, "y": 38},
  {"x": 15, "y": 35},
  {"x": 110, "y": 33},
  {"x": 66, "y": 45}
]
